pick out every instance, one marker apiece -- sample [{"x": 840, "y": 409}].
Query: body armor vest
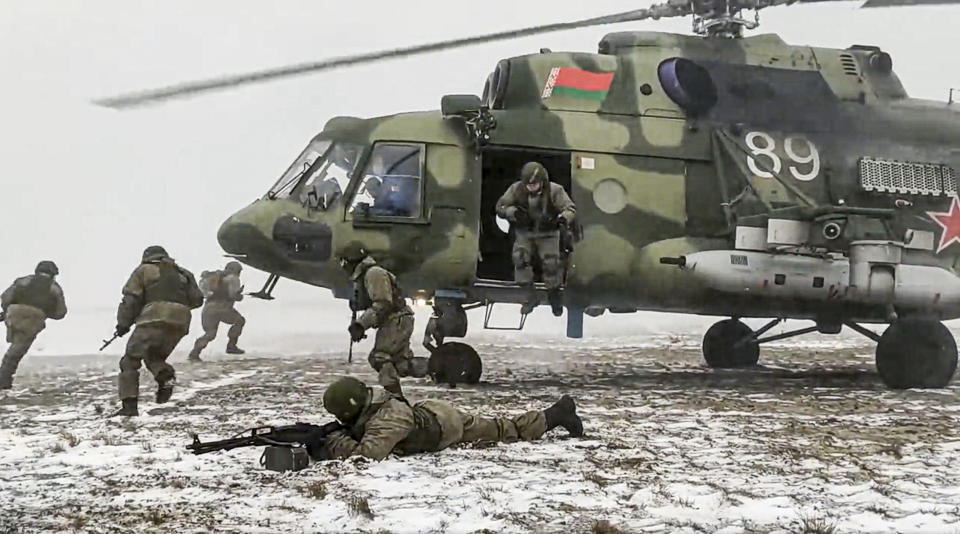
[
  {"x": 169, "y": 287},
  {"x": 544, "y": 217},
  {"x": 220, "y": 293},
  {"x": 361, "y": 297},
  {"x": 425, "y": 436},
  {"x": 37, "y": 293}
]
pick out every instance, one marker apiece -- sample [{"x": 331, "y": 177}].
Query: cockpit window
[
  {"x": 328, "y": 177},
  {"x": 286, "y": 184},
  {"x": 392, "y": 182}
]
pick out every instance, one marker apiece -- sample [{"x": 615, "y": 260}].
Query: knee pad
[
  {"x": 377, "y": 359},
  {"x": 521, "y": 258}
]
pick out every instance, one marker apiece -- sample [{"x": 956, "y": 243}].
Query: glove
[
  {"x": 510, "y": 213},
  {"x": 121, "y": 330},
  {"x": 521, "y": 217},
  {"x": 356, "y": 331},
  {"x": 562, "y": 221}
]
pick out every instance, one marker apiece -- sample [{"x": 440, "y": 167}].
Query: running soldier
[{"x": 222, "y": 290}]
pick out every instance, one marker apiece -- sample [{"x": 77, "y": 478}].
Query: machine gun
[{"x": 287, "y": 446}]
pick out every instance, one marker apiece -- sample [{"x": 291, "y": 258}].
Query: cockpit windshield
[
  {"x": 286, "y": 184},
  {"x": 327, "y": 179}
]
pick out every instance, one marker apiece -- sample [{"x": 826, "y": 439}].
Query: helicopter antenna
[{"x": 711, "y": 18}]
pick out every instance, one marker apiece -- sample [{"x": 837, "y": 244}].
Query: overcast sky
[{"x": 91, "y": 187}]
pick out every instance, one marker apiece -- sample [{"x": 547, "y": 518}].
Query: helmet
[
  {"x": 47, "y": 267},
  {"x": 233, "y": 267},
  {"x": 154, "y": 252},
  {"x": 534, "y": 171},
  {"x": 345, "y": 398},
  {"x": 351, "y": 255}
]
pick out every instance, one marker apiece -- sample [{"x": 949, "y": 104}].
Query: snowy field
[{"x": 809, "y": 442}]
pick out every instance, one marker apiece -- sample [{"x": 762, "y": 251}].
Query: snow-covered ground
[{"x": 811, "y": 439}]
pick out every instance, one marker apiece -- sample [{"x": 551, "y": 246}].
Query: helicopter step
[{"x": 913, "y": 352}]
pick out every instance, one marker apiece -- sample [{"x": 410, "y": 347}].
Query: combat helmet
[
  {"x": 534, "y": 171},
  {"x": 346, "y": 398},
  {"x": 233, "y": 267},
  {"x": 351, "y": 255},
  {"x": 153, "y": 253},
  {"x": 47, "y": 267}
]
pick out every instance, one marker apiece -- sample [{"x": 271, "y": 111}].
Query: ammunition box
[{"x": 284, "y": 458}]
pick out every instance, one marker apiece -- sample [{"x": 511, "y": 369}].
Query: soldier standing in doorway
[{"x": 537, "y": 208}]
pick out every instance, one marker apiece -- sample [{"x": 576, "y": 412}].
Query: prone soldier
[
  {"x": 222, "y": 290},
  {"x": 379, "y": 423},
  {"x": 157, "y": 298},
  {"x": 378, "y": 296},
  {"x": 537, "y": 208},
  {"x": 26, "y": 306}
]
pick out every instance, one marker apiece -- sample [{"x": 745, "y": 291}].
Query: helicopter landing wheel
[
  {"x": 728, "y": 344},
  {"x": 916, "y": 352},
  {"x": 455, "y": 363}
]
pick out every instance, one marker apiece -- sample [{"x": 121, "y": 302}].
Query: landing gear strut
[{"x": 450, "y": 362}]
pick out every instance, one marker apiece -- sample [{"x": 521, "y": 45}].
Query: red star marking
[{"x": 950, "y": 222}]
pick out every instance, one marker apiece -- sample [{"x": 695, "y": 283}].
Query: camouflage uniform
[
  {"x": 378, "y": 295},
  {"x": 390, "y": 424},
  {"x": 27, "y": 304},
  {"x": 537, "y": 233},
  {"x": 219, "y": 308},
  {"x": 158, "y": 298}
]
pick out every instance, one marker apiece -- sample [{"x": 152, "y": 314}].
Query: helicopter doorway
[{"x": 501, "y": 168}]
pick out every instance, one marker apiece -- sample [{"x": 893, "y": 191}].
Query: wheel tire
[
  {"x": 916, "y": 352},
  {"x": 455, "y": 363},
  {"x": 718, "y": 346}
]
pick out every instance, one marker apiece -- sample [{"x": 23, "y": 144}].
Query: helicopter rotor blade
[{"x": 141, "y": 98}]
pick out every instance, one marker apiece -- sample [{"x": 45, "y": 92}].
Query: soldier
[
  {"x": 158, "y": 297},
  {"x": 222, "y": 290},
  {"x": 536, "y": 208},
  {"x": 378, "y": 296},
  {"x": 26, "y": 305},
  {"x": 380, "y": 423}
]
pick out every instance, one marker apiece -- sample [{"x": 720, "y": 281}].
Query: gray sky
[{"x": 90, "y": 187}]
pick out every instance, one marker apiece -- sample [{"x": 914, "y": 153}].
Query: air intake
[{"x": 888, "y": 176}]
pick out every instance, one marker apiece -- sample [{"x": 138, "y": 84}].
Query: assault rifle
[{"x": 298, "y": 434}]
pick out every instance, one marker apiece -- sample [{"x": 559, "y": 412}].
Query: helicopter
[{"x": 714, "y": 174}]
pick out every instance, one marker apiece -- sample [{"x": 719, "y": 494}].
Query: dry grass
[
  {"x": 146, "y": 446},
  {"x": 605, "y": 527},
  {"x": 359, "y": 506},
  {"x": 71, "y": 439},
  {"x": 316, "y": 489},
  {"x": 57, "y": 447},
  {"x": 592, "y": 476},
  {"x": 817, "y": 525},
  {"x": 157, "y": 516}
]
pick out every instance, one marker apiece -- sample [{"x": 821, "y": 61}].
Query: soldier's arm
[
  {"x": 132, "y": 302},
  {"x": 378, "y": 285},
  {"x": 234, "y": 288},
  {"x": 507, "y": 200},
  {"x": 566, "y": 207},
  {"x": 390, "y": 425},
  {"x": 7, "y": 296},
  {"x": 61, "y": 310},
  {"x": 194, "y": 295}
]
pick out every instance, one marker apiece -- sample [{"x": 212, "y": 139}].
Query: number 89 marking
[{"x": 766, "y": 150}]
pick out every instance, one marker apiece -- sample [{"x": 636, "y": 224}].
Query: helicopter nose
[{"x": 241, "y": 234}]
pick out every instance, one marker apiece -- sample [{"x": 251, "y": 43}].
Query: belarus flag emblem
[{"x": 576, "y": 83}]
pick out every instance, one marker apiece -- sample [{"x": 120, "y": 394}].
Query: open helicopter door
[{"x": 501, "y": 168}]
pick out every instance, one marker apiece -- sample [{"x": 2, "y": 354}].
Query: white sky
[{"x": 91, "y": 187}]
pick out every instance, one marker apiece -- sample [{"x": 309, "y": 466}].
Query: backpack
[{"x": 212, "y": 284}]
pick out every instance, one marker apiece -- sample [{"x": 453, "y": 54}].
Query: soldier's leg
[
  {"x": 138, "y": 345},
  {"x": 523, "y": 251},
  {"x": 528, "y": 426},
  {"x": 549, "y": 249},
  {"x": 391, "y": 352},
  {"x": 232, "y": 317},
  {"x": 210, "y": 320},
  {"x": 20, "y": 342},
  {"x": 164, "y": 343}
]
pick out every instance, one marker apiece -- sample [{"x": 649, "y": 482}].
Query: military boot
[
  {"x": 194, "y": 356},
  {"x": 129, "y": 408},
  {"x": 555, "y": 298},
  {"x": 232, "y": 348},
  {"x": 164, "y": 391},
  {"x": 6, "y": 376},
  {"x": 564, "y": 413}
]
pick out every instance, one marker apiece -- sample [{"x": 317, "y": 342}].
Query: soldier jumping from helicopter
[
  {"x": 537, "y": 208},
  {"x": 378, "y": 296}
]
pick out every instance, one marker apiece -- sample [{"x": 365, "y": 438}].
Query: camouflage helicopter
[{"x": 714, "y": 174}]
